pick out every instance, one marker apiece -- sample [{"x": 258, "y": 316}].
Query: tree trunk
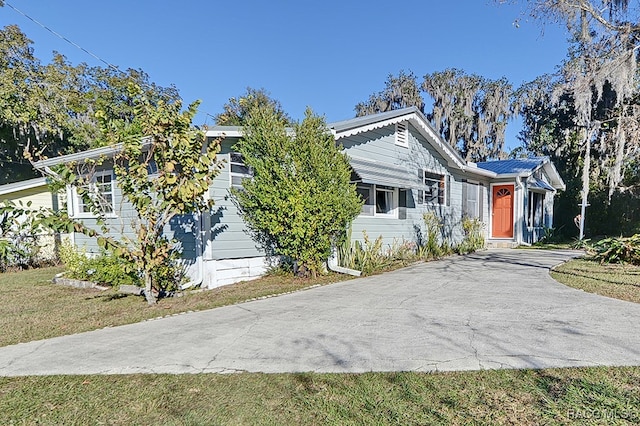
[{"x": 148, "y": 289}]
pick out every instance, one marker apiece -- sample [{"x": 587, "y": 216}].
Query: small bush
[
  {"x": 105, "y": 268},
  {"x": 618, "y": 250},
  {"x": 473, "y": 236},
  {"x": 371, "y": 257},
  {"x": 432, "y": 248}
]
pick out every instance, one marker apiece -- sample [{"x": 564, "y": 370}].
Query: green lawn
[
  {"x": 612, "y": 280},
  {"x": 517, "y": 397},
  {"x": 34, "y": 308}
]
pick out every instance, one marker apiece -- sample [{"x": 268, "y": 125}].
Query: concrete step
[{"x": 501, "y": 244}]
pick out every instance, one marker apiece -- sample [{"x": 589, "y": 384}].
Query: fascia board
[
  {"x": 473, "y": 169},
  {"x": 106, "y": 151},
  {"x": 90, "y": 154},
  {"x": 220, "y": 133},
  {"x": 22, "y": 185}
]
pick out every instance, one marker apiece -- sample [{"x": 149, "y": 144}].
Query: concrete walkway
[{"x": 493, "y": 309}]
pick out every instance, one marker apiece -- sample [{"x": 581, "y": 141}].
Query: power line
[{"x": 61, "y": 36}]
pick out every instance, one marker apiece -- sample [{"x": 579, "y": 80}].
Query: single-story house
[{"x": 402, "y": 169}]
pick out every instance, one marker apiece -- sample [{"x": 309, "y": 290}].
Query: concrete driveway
[{"x": 493, "y": 309}]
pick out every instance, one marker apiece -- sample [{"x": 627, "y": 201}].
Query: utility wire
[{"x": 61, "y": 36}]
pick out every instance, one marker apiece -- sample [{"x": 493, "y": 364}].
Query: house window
[
  {"x": 435, "y": 189},
  {"x": 402, "y": 134},
  {"x": 238, "y": 170},
  {"x": 535, "y": 210},
  {"x": 366, "y": 193},
  {"x": 96, "y": 195},
  {"x": 384, "y": 201},
  {"x": 471, "y": 198},
  {"x": 378, "y": 200}
]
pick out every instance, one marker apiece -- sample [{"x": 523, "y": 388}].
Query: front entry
[{"x": 502, "y": 215}]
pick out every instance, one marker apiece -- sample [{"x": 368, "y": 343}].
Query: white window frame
[
  {"x": 531, "y": 210},
  {"x": 393, "y": 211},
  {"x": 78, "y": 202},
  {"x": 233, "y": 174},
  {"x": 371, "y": 210},
  {"x": 476, "y": 189},
  {"x": 367, "y": 209},
  {"x": 443, "y": 179}
]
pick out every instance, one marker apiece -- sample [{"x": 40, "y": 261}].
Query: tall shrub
[{"x": 300, "y": 200}]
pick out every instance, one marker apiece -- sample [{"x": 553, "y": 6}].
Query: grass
[
  {"x": 612, "y": 280},
  {"x": 33, "y": 308},
  {"x": 522, "y": 397}
]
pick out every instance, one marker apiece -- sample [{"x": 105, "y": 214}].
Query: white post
[{"x": 585, "y": 184}]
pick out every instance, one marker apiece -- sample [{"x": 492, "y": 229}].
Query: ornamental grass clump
[{"x": 618, "y": 250}]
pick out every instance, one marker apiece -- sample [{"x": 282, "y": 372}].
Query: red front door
[{"x": 502, "y": 215}]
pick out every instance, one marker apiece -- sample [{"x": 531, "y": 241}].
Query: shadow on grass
[
  {"x": 108, "y": 297},
  {"x": 591, "y": 276}
]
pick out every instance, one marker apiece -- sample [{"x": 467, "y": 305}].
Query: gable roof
[{"x": 354, "y": 126}]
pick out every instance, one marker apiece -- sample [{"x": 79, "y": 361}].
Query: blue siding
[
  {"x": 228, "y": 238},
  {"x": 379, "y": 145}
]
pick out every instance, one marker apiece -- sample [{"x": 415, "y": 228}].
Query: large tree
[
  {"x": 47, "y": 110},
  {"x": 400, "y": 91},
  {"x": 236, "y": 110},
  {"x": 300, "y": 200},
  {"x": 470, "y": 112},
  {"x": 599, "y": 77}
]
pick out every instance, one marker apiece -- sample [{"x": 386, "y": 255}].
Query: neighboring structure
[
  {"x": 402, "y": 169},
  {"x": 32, "y": 190},
  {"x": 35, "y": 194}
]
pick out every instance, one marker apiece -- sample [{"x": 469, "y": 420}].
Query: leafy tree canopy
[
  {"x": 236, "y": 110},
  {"x": 163, "y": 169},
  {"x": 586, "y": 115},
  {"x": 48, "y": 110}
]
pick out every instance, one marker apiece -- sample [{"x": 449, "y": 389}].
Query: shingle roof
[{"x": 519, "y": 165}]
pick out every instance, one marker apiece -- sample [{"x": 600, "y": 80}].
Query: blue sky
[{"x": 328, "y": 54}]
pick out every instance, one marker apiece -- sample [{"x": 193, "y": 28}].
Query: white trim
[
  {"x": 453, "y": 159},
  {"x": 224, "y": 133},
  {"x": 373, "y": 188},
  {"x": 23, "y": 185},
  {"x": 447, "y": 184},
  {"x": 473, "y": 168},
  {"x": 393, "y": 212},
  {"x": 419, "y": 122},
  {"x": 476, "y": 186},
  {"x": 373, "y": 126},
  {"x": 236, "y": 174}
]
